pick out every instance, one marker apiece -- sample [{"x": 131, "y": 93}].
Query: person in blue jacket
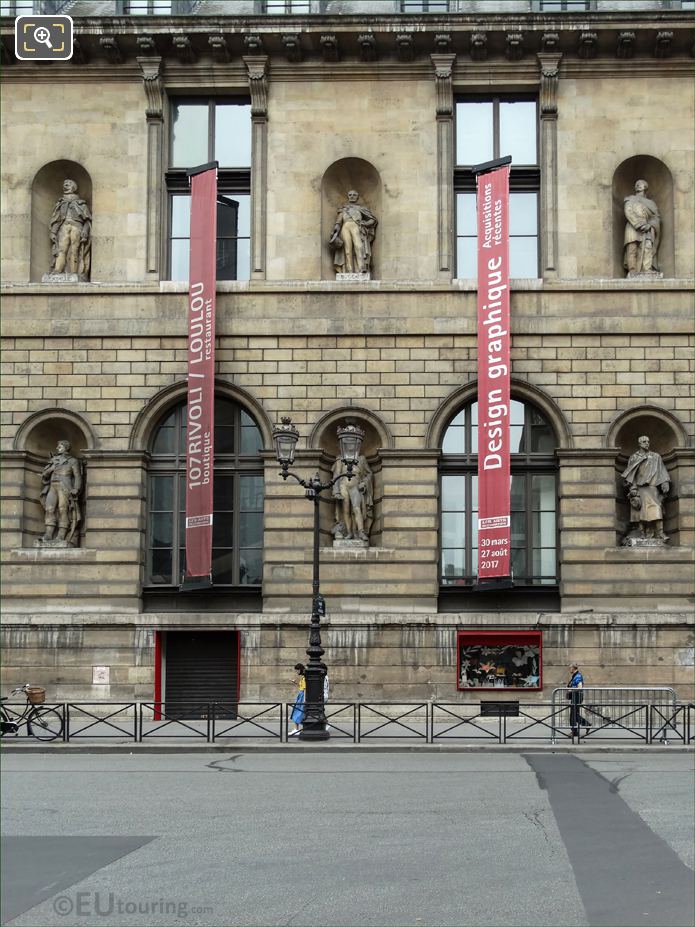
[{"x": 575, "y": 696}]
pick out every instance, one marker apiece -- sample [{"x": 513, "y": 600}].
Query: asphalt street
[{"x": 378, "y": 839}]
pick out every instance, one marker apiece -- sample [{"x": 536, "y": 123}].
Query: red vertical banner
[
  {"x": 494, "y": 531},
  {"x": 200, "y": 423}
]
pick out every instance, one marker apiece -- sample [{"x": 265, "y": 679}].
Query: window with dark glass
[
  {"x": 237, "y": 555},
  {"x": 204, "y": 130},
  {"x": 564, "y": 6},
  {"x": 282, "y": 7},
  {"x": 533, "y": 498},
  {"x": 488, "y": 128},
  {"x": 424, "y": 6},
  {"x": 18, "y": 7}
]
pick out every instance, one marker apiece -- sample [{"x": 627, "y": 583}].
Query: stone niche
[
  {"x": 46, "y": 190},
  {"x": 38, "y": 438},
  {"x": 666, "y": 435},
  {"x": 658, "y": 176},
  {"x": 341, "y": 176}
]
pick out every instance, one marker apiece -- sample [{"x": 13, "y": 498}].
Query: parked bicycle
[{"x": 41, "y": 722}]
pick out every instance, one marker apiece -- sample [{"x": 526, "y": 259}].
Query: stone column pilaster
[
  {"x": 257, "y": 67},
  {"x": 154, "y": 114},
  {"x": 550, "y": 68},
  {"x": 443, "y": 66}
]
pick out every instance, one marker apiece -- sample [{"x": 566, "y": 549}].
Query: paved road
[{"x": 381, "y": 839}]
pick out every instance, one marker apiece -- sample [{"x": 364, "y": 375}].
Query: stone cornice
[{"x": 617, "y": 41}]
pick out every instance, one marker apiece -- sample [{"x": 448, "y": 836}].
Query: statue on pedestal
[
  {"x": 648, "y": 483},
  {"x": 71, "y": 238},
  {"x": 352, "y": 237},
  {"x": 62, "y": 485},
  {"x": 354, "y": 504},
  {"x": 642, "y": 234}
]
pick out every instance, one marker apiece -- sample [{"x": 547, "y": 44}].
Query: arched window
[
  {"x": 237, "y": 555},
  {"x": 533, "y": 499}
]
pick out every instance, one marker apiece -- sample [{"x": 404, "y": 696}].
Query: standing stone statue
[
  {"x": 352, "y": 237},
  {"x": 642, "y": 233},
  {"x": 648, "y": 483},
  {"x": 71, "y": 234},
  {"x": 62, "y": 484},
  {"x": 354, "y": 503}
]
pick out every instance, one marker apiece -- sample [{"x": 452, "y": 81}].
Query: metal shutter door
[{"x": 201, "y": 667}]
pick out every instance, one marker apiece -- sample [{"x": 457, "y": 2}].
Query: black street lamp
[{"x": 285, "y": 437}]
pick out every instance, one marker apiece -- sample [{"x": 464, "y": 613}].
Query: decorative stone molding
[
  {"x": 626, "y": 45},
  {"x": 664, "y": 41},
  {"x": 293, "y": 48},
  {"x": 550, "y": 42},
  {"x": 253, "y": 44},
  {"x": 550, "y": 70},
  {"x": 329, "y": 48},
  {"x": 146, "y": 44},
  {"x": 404, "y": 47},
  {"x": 442, "y": 43},
  {"x": 257, "y": 66},
  {"x": 367, "y": 44},
  {"x": 184, "y": 49},
  {"x": 514, "y": 48},
  {"x": 478, "y": 46},
  {"x": 109, "y": 45},
  {"x": 78, "y": 55},
  {"x": 219, "y": 48},
  {"x": 152, "y": 82},
  {"x": 588, "y": 42},
  {"x": 443, "y": 67}
]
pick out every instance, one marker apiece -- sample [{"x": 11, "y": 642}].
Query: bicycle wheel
[{"x": 45, "y": 724}]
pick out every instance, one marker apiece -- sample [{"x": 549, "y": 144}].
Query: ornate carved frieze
[
  {"x": 146, "y": 45},
  {"x": 257, "y": 67},
  {"x": 662, "y": 47},
  {"x": 329, "y": 48},
  {"x": 443, "y": 67},
  {"x": 626, "y": 45},
  {"x": 111, "y": 48},
  {"x": 514, "y": 48},
  {"x": 293, "y": 48},
  {"x": 219, "y": 48},
  {"x": 367, "y": 44},
  {"x": 478, "y": 46},
  {"x": 152, "y": 82},
  {"x": 184, "y": 49},
  {"x": 588, "y": 45},
  {"x": 550, "y": 70},
  {"x": 404, "y": 47}
]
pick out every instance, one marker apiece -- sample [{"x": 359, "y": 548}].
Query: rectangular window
[
  {"x": 204, "y": 130},
  {"x": 149, "y": 7},
  {"x": 489, "y": 128},
  {"x": 499, "y": 660},
  {"x": 282, "y": 7},
  {"x": 424, "y": 6},
  {"x": 564, "y": 6},
  {"x": 16, "y": 7}
]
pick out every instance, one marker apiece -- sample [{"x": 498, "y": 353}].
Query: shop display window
[{"x": 499, "y": 660}]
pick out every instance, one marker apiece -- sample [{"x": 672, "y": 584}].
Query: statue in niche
[
  {"x": 62, "y": 486},
  {"x": 352, "y": 237},
  {"x": 71, "y": 236},
  {"x": 354, "y": 504},
  {"x": 648, "y": 483},
  {"x": 642, "y": 233}
]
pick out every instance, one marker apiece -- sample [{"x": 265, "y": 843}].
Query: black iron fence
[{"x": 486, "y": 722}]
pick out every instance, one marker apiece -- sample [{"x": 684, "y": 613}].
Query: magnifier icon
[{"x": 42, "y": 35}]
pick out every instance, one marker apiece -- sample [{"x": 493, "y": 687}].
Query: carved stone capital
[
  {"x": 404, "y": 47},
  {"x": 184, "y": 49},
  {"x": 254, "y": 44},
  {"x": 219, "y": 48},
  {"x": 367, "y": 44},
  {"x": 257, "y": 68},
  {"x": 152, "y": 82},
  {"x": 329, "y": 47},
  {"x": 442, "y": 43},
  {"x": 146, "y": 44},
  {"x": 626, "y": 45},
  {"x": 514, "y": 50},
  {"x": 550, "y": 72},
  {"x": 443, "y": 68},
  {"x": 588, "y": 45},
  {"x": 478, "y": 46},
  {"x": 662, "y": 48},
  {"x": 550, "y": 42},
  {"x": 112, "y": 50},
  {"x": 293, "y": 48}
]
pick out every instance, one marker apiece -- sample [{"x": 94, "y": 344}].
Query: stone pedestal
[
  {"x": 64, "y": 278},
  {"x": 349, "y": 544},
  {"x": 645, "y": 275},
  {"x": 353, "y": 278},
  {"x": 55, "y": 543},
  {"x": 644, "y": 542}
]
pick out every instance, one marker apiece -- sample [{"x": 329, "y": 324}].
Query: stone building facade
[{"x": 334, "y": 96}]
